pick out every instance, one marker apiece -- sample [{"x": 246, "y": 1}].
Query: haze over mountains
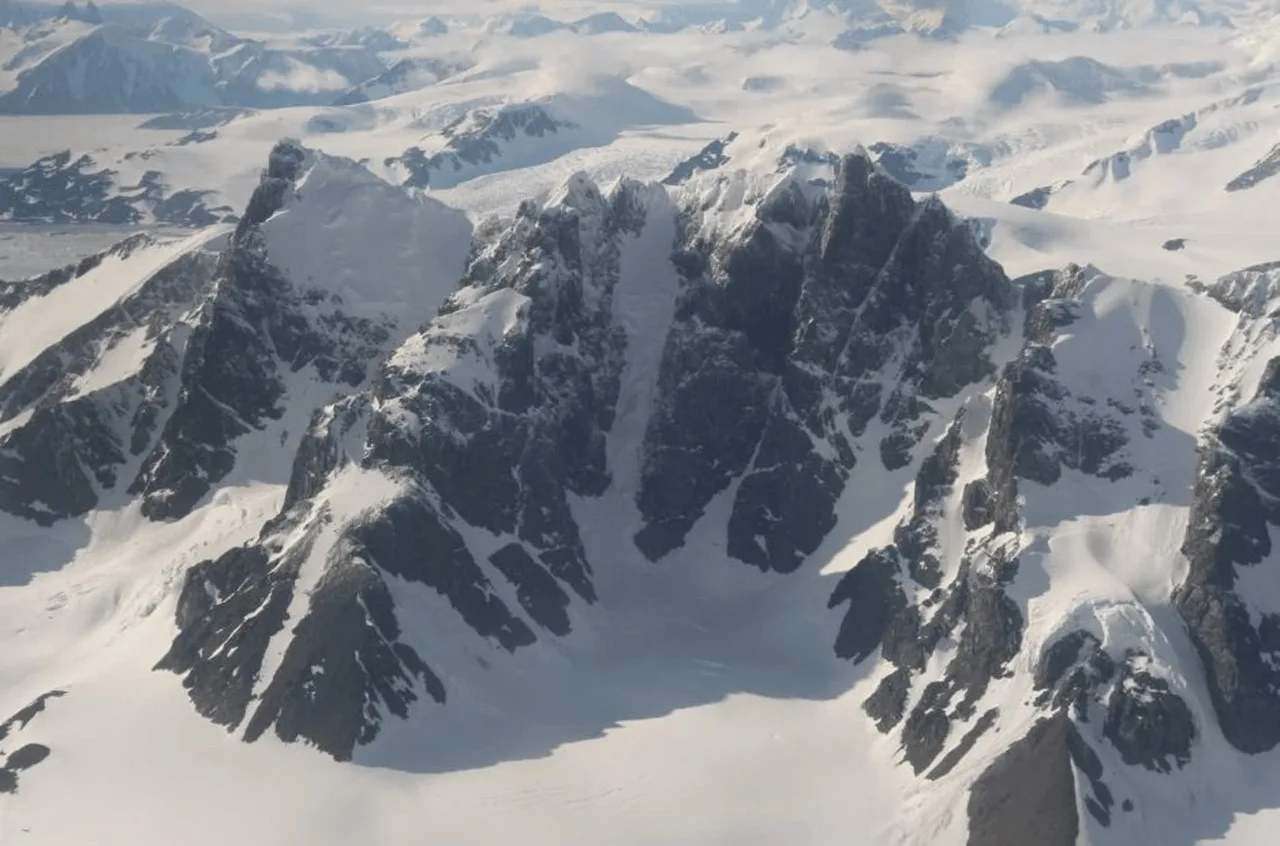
[{"x": 751, "y": 422}]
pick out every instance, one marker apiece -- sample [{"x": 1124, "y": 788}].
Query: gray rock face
[
  {"x": 1235, "y": 500},
  {"x": 254, "y": 329},
  {"x": 929, "y": 166},
  {"x": 1028, "y": 794},
  {"x": 790, "y": 340},
  {"x": 1036, "y": 198},
  {"x": 29, "y": 755},
  {"x": 1038, "y": 426},
  {"x": 774, "y": 366},
  {"x": 1149, "y": 724},
  {"x": 900, "y": 600},
  {"x": 58, "y": 189},
  {"x": 1071, "y": 671},
  {"x": 499, "y": 456},
  {"x": 75, "y": 442},
  {"x": 1028, "y": 789},
  {"x": 709, "y": 157},
  {"x": 473, "y": 141},
  {"x": 907, "y": 632},
  {"x": 1263, "y": 169},
  {"x": 218, "y": 333}
]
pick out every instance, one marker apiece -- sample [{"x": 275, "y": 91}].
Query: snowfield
[{"x": 328, "y": 498}]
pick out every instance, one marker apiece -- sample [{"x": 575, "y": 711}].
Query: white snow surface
[
  {"x": 699, "y": 703},
  {"x": 40, "y": 322},
  {"x": 384, "y": 252}
]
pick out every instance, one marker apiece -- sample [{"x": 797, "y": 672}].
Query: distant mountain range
[
  {"x": 149, "y": 59},
  {"x": 159, "y": 57}
]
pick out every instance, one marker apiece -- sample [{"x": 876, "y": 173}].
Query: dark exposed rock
[
  {"x": 966, "y": 744},
  {"x": 777, "y": 359},
  {"x": 1038, "y": 427},
  {"x": 219, "y": 334},
  {"x": 539, "y": 593},
  {"x": 1234, "y": 500},
  {"x": 21, "y": 719},
  {"x": 841, "y": 302},
  {"x": 221, "y": 642},
  {"x": 1028, "y": 794},
  {"x": 75, "y": 442},
  {"x": 475, "y": 140},
  {"x": 61, "y": 189},
  {"x": 56, "y": 189},
  {"x": 1050, "y": 300},
  {"x": 992, "y": 632},
  {"x": 977, "y": 507},
  {"x": 230, "y": 382},
  {"x": 974, "y": 603},
  {"x": 927, "y": 166},
  {"x": 1175, "y": 244},
  {"x": 344, "y": 665},
  {"x": 321, "y": 451},
  {"x": 411, "y": 540},
  {"x": 924, "y": 734},
  {"x": 1148, "y": 723},
  {"x": 28, "y": 755},
  {"x": 1263, "y": 169},
  {"x": 1144, "y": 719},
  {"x": 888, "y": 705},
  {"x": 501, "y": 456},
  {"x": 1072, "y": 671},
  {"x": 256, "y": 328},
  {"x": 879, "y": 615},
  {"x": 709, "y": 157},
  {"x": 1247, "y": 291},
  {"x": 875, "y": 599},
  {"x": 1036, "y": 198}
]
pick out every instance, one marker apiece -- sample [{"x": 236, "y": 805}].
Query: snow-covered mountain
[
  {"x": 717, "y": 387},
  {"x": 651, "y": 423},
  {"x": 404, "y": 76},
  {"x": 76, "y": 63}
]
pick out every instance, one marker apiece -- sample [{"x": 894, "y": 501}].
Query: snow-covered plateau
[{"x": 787, "y": 422}]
